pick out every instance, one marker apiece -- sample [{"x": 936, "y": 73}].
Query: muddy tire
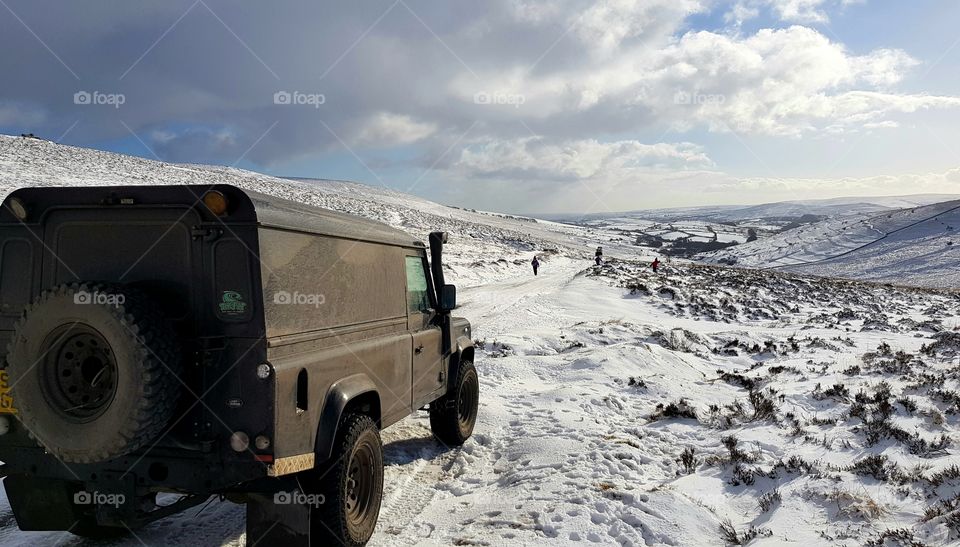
[
  {"x": 352, "y": 485},
  {"x": 93, "y": 371},
  {"x": 453, "y": 416}
]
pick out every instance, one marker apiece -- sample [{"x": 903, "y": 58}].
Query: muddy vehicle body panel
[{"x": 287, "y": 318}]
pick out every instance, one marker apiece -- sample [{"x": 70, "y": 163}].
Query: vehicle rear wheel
[
  {"x": 93, "y": 371},
  {"x": 453, "y": 416},
  {"x": 351, "y": 483}
]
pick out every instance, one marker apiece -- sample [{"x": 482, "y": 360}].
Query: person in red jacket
[{"x": 655, "y": 265}]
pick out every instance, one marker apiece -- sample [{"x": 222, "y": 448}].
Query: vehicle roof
[
  {"x": 266, "y": 210},
  {"x": 274, "y": 212}
]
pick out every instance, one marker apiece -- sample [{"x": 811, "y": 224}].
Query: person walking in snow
[
  {"x": 598, "y": 257},
  {"x": 536, "y": 265},
  {"x": 655, "y": 265}
]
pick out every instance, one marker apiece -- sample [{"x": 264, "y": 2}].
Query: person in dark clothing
[
  {"x": 655, "y": 265},
  {"x": 598, "y": 257},
  {"x": 536, "y": 265}
]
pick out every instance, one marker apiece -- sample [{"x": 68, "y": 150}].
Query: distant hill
[
  {"x": 779, "y": 210},
  {"x": 917, "y": 246}
]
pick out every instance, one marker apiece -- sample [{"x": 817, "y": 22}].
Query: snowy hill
[
  {"x": 917, "y": 246},
  {"x": 694, "y": 232},
  {"x": 494, "y": 243},
  {"x": 833, "y": 207},
  {"x": 784, "y": 209},
  {"x": 698, "y": 406}
]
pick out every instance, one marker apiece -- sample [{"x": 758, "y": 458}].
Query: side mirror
[{"x": 448, "y": 297}]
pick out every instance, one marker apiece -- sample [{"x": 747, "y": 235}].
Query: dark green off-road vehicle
[{"x": 205, "y": 340}]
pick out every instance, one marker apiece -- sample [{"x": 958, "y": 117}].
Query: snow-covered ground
[
  {"x": 918, "y": 246},
  {"x": 698, "y": 406}
]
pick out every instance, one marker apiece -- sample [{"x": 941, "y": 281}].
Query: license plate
[{"x": 6, "y": 400}]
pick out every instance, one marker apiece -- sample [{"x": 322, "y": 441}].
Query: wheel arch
[
  {"x": 464, "y": 353},
  {"x": 356, "y": 393}
]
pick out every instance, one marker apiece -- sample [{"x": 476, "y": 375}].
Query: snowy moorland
[
  {"x": 697, "y": 406},
  {"x": 784, "y": 209},
  {"x": 919, "y": 246},
  {"x": 681, "y": 237}
]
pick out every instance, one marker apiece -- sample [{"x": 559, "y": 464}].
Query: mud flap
[
  {"x": 269, "y": 523},
  {"x": 41, "y": 504}
]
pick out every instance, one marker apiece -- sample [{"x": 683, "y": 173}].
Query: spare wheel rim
[{"x": 79, "y": 373}]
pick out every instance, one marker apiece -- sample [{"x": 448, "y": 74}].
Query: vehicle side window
[{"x": 417, "y": 297}]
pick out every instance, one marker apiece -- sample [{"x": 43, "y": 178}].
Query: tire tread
[
  {"x": 159, "y": 359},
  {"x": 444, "y": 420}
]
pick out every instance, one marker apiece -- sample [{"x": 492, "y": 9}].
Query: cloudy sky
[{"x": 514, "y": 105}]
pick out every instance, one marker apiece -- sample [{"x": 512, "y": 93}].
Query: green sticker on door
[{"x": 232, "y": 303}]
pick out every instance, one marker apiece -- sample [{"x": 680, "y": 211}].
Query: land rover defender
[{"x": 207, "y": 340}]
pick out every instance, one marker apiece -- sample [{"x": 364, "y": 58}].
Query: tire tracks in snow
[{"x": 405, "y": 499}]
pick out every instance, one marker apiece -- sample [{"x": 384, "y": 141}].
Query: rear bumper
[{"x": 162, "y": 470}]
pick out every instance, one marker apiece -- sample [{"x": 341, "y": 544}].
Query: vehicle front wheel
[
  {"x": 453, "y": 416},
  {"x": 352, "y": 484}
]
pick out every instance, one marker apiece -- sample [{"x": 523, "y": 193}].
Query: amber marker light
[{"x": 216, "y": 202}]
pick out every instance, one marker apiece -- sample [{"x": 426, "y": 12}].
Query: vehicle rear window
[{"x": 417, "y": 297}]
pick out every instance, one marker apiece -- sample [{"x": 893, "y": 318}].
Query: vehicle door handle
[{"x": 419, "y": 349}]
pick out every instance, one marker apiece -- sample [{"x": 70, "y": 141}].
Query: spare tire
[{"x": 93, "y": 371}]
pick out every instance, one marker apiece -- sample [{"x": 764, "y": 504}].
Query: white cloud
[
  {"x": 812, "y": 188},
  {"x": 16, "y": 114},
  {"x": 645, "y": 189},
  {"x": 602, "y": 26},
  {"x": 881, "y": 125},
  {"x": 797, "y": 11},
  {"x": 606, "y": 24},
  {"x": 536, "y": 158},
  {"x": 782, "y": 82},
  {"x": 218, "y": 143},
  {"x": 389, "y": 129}
]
